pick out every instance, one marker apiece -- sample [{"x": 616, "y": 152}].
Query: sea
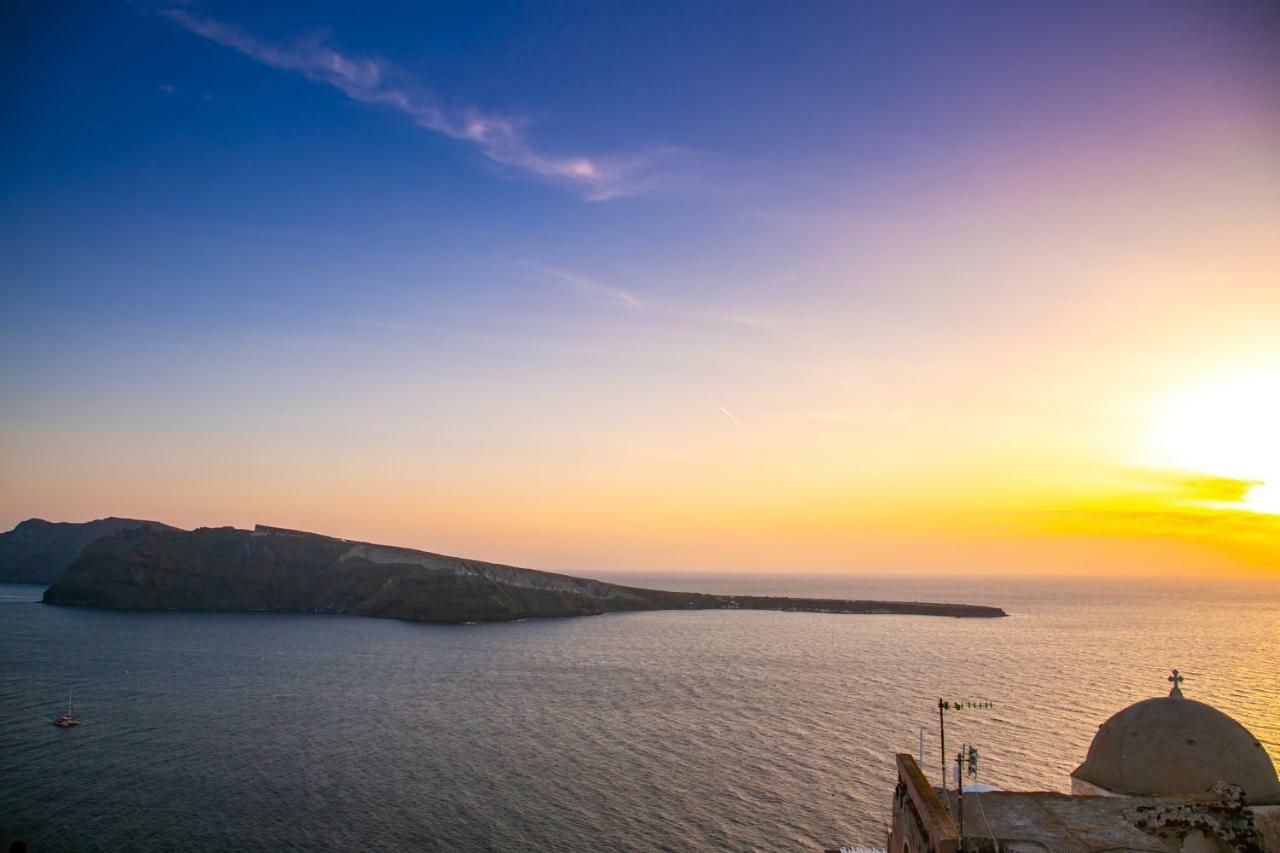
[{"x": 715, "y": 730}]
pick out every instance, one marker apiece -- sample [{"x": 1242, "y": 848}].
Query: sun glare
[{"x": 1226, "y": 428}]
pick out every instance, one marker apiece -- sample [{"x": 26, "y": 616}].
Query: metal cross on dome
[{"x": 1176, "y": 680}]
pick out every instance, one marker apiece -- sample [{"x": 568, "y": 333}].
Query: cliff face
[
  {"x": 272, "y": 569},
  {"x": 282, "y": 570},
  {"x": 39, "y": 551}
]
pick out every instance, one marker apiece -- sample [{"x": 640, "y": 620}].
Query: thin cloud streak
[
  {"x": 589, "y": 287},
  {"x": 627, "y": 300},
  {"x": 374, "y": 81}
]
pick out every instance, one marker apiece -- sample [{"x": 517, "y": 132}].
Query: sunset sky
[{"x": 915, "y": 288}]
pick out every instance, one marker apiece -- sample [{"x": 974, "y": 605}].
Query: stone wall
[{"x": 920, "y": 823}]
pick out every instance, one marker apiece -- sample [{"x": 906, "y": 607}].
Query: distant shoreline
[
  {"x": 829, "y": 607},
  {"x": 287, "y": 571}
]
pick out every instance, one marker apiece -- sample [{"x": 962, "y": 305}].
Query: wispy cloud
[
  {"x": 1187, "y": 522},
  {"x": 628, "y": 300},
  {"x": 1173, "y": 504},
  {"x": 501, "y": 139},
  {"x": 590, "y": 287}
]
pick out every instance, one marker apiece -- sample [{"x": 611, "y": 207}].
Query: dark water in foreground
[{"x": 677, "y": 731}]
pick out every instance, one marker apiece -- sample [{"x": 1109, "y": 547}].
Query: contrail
[{"x": 728, "y": 414}]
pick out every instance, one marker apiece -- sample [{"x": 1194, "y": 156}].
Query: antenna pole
[{"x": 942, "y": 736}]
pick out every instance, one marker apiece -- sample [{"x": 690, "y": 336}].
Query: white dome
[{"x": 1175, "y": 745}]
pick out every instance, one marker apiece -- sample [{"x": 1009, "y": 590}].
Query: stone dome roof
[{"x": 1175, "y": 745}]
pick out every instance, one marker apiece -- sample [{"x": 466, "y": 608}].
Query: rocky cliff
[
  {"x": 39, "y": 551},
  {"x": 289, "y": 571}
]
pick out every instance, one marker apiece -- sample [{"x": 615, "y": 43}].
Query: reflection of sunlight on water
[{"x": 689, "y": 730}]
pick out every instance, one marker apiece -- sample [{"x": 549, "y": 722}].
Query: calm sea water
[{"x": 652, "y": 731}]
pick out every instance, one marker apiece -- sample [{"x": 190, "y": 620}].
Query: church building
[{"x": 1164, "y": 775}]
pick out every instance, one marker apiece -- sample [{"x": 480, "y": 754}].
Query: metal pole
[
  {"x": 942, "y": 736},
  {"x": 960, "y": 792}
]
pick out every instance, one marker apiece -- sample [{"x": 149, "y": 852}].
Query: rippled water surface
[{"x": 710, "y": 730}]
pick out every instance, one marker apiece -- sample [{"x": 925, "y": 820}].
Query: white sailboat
[{"x": 68, "y": 719}]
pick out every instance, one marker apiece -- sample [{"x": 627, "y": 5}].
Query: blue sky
[
  {"x": 555, "y": 237},
  {"x": 138, "y": 141}
]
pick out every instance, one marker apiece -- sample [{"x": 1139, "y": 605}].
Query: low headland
[{"x": 273, "y": 569}]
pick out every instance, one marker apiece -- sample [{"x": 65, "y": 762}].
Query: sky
[{"x": 903, "y": 288}]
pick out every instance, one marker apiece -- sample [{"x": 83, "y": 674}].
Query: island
[
  {"x": 39, "y": 551},
  {"x": 289, "y": 571}
]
